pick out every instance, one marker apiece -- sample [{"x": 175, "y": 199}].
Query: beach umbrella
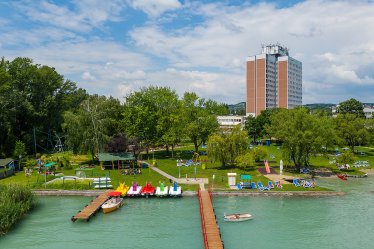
[{"x": 281, "y": 167}]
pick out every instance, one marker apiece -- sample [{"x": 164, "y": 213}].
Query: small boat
[
  {"x": 342, "y": 177},
  {"x": 148, "y": 190},
  {"x": 237, "y": 217},
  {"x": 134, "y": 190},
  {"x": 113, "y": 203},
  {"x": 175, "y": 190},
  {"x": 161, "y": 190}
]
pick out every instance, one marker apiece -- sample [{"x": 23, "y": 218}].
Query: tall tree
[
  {"x": 150, "y": 114},
  {"x": 352, "y": 129},
  {"x": 351, "y": 106},
  {"x": 302, "y": 134},
  {"x": 200, "y": 117},
  {"x": 89, "y": 128},
  {"x": 226, "y": 147}
]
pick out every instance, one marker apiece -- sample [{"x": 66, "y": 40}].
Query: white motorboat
[{"x": 237, "y": 217}]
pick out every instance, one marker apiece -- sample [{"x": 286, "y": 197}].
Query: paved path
[
  {"x": 200, "y": 181},
  {"x": 276, "y": 177}
]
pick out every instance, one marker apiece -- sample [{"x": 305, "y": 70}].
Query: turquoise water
[
  {"x": 141, "y": 223},
  {"x": 307, "y": 222},
  {"x": 279, "y": 222}
]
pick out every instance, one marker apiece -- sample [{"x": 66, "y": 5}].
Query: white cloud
[
  {"x": 333, "y": 39},
  {"x": 155, "y": 8},
  {"x": 87, "y": 76},
  {"x": 82, "y": 17}
]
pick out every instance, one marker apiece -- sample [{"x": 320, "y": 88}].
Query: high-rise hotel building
[{"x": 274, "y": 79}]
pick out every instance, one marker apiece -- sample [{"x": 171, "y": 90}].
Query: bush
[
  {"x": 15, "y": 202},
  {"x": 259, "y": 153}
]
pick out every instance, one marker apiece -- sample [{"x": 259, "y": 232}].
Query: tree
[
  {"x": 351, "y": 106},
  {"x": 259, "y": 153},
  {"x": 352, "y": 129},
  {"x": 151, "y": 115},
  {"x": 302, "y": 134},
  {"x": 89, "y": 128},
  {"x": 256, "y": 125},
  {"x": 226, "y": 147},
  {"x": 200, "y": 117},
  {"x": 32, "y": 97},
  {"x": 346, "y": 157},
  {"x": 245, "y": 160}
]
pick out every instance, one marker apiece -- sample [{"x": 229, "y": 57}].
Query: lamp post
[
  {"x": 19, "y": 162},
  {"x": 179, "y": 168}
]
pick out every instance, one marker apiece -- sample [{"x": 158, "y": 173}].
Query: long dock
[
  {"x": 212, "y": 237},
  {"x": 91, "y": 209}
]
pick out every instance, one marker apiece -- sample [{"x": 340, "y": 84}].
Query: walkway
[
  {"x": 212, "y": 237},
  {"x": 200, "y": 181},
  {"x": 91, "y": 208}
]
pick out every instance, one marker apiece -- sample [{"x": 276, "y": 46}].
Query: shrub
[{"x": 15, "y": 202}]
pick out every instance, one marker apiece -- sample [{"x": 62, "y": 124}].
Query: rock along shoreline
[{"x": 194, "y": 193}]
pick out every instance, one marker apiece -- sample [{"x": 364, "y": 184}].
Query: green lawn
[{"x": 165, "y": 163}]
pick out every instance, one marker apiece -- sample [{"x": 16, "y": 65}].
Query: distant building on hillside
[
  {"x": 368, "y": 110},
  {"x": 274, "y": 79}
]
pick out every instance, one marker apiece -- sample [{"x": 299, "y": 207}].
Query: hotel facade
[{"x": 274, "y": 79}]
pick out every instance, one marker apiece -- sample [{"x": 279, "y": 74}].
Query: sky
[{"x": 115, "y": 47}]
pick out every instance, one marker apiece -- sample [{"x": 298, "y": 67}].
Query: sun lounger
[
  {"x": 278, "y": 184},
  {"x": 239, "y": 186},
  {"x": 253, "y": 185},
  {"x": 261, "y": 187},
  {"x": 296, "y": 182},
  {"x": 270, "y": 185}
]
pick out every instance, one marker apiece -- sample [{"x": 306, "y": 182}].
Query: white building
[{"x": 229, "y": 122}]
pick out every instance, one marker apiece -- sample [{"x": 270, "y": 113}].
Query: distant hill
[
  {"x": 237, "y": 109},
  {"x": 318, "y": 106}
]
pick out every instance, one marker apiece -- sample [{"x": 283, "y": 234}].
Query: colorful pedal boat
[{"x": 148, "y": 190}]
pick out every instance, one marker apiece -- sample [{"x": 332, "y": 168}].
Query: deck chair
[
  {"x": 253, "y": 185},
  {"x": 278, "y": 184},
  {"x": 239, "y": 186},
  {"x": 296, "y": 182},
  {"x": 270, "y": 185},
  {"x": 261, "y": 187}
]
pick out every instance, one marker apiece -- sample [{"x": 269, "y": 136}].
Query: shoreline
[{"x": 194, "y": 193}]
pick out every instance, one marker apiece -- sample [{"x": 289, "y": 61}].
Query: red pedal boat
[{"x": 148, "y": 190}]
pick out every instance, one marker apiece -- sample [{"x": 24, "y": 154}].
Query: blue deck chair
[
  {"x": 253, "y": 185},
  {"x": 270, "y": 185},
  {"x": 296, "y": 182},
  {"x": 239, "y": 186},
  {"x": 278, "y": 184},
  {"x": 261, "y": 187}
]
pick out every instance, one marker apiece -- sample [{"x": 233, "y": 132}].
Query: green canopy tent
[{"x": 50, "y": 164}]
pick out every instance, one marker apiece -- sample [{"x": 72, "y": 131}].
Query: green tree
[
  {"x": 347, "y": 157},
  {"x": 226, "y": 147},
  {"x": 200, "y": 117},
  {"x": 245, "y": 160},
  {"x": 302, "y": 134},
  {"x": 352, "y": 129},
  {"x": 256, "y": 125},
  {"x": 19, "y": 150},
  {"x": 89, "y": 128},
  {"x": 351, "y": 106},
  {"x": 152, "y": 115},
  {"x": 259, "y": 153}
]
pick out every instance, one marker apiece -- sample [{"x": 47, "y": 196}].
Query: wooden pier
[
  {"x": 91, "y": 209},
  {"x": 212, "y": 237}
]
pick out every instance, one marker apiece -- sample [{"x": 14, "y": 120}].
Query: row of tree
[
  {"x": 36, "y": 102},
  {"x": 302, "y": 133}
]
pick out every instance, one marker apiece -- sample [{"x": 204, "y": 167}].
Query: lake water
[{"x": 279, "y": 222}]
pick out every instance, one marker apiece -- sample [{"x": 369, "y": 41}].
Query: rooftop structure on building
[{"x": 274, "y": 79}]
